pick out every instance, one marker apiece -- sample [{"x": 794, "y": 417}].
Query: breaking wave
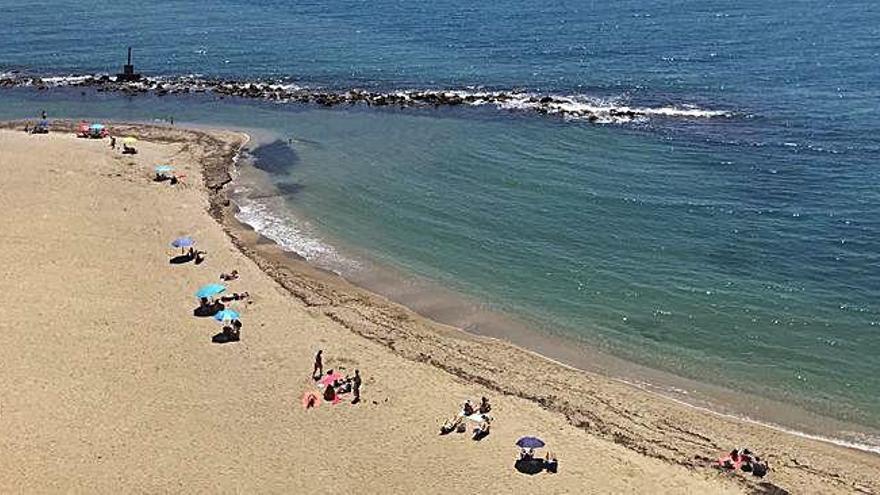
[{"x": 569, "y": 107}]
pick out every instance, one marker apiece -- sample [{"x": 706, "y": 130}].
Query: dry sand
[{"x": 109, "y": 383}]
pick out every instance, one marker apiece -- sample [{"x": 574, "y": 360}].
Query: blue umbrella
[
  {"x": 161, "y": 169},
  {"x": 210, "y": 290},
  {"x": 226, "y": 314},
  {"x": 530, "y": 443},
  {"x": 183, "y": 242},
  {"x": 97, "y": 127}
]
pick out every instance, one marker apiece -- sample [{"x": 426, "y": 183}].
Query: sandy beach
[{"x": 109, "y": 383}]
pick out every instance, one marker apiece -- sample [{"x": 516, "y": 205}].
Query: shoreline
[
  {"x": 445, "y": 306},
  {"x": 623, "y": 414}
]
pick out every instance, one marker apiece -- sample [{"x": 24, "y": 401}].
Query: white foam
[
  {"x": 569, "y": 107},
  {"x": 290, "y": 235}
]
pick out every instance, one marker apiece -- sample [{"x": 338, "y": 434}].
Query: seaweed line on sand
[{"x": 629, "y": 416}]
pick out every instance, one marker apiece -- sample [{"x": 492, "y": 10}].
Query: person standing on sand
[
  {"x": 356, "y": 387},
  {"x": 319, "y": 365}
]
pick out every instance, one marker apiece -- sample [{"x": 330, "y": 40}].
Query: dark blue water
[{"x": 739, "y": 250}]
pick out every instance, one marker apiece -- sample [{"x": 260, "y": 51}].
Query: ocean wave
[
  {"x": 570, "y": 107},
  {"x": 285, "y": 232}
]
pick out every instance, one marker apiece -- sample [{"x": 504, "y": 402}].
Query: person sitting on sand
[
  {"x": 236, "y": 330},
  {"x": 206, "y": 306},
  {"x": 550, "y": 463},
  {"x": 760, "y": 468},
  {"x": 485, "y": 407},
  {"x": 526, "y": 454},
  {"x": 197, "y": 255},
  {"x": 329, "y": 394},
  {"x": 482, "y": 430},
  {"x": 467, "y": 409},
  {"x": 226, "y": 277},
  {"x": 730, "y": 461}
]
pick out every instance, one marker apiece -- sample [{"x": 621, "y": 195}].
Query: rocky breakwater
[{"x": 575, "y": 107}]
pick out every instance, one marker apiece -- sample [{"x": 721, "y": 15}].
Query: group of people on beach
[
  {"x": 479, "y": 415},
  {"x": 339, "y": 385},
  {"x": 548, "y": 463},
  {"x": 744, "y": 460}
]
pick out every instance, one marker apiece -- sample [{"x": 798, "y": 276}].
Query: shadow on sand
[
  {"x": 208, "y": 311},
  {"x": 180, "y": 259},
  {"x": 223, "y": 338}
]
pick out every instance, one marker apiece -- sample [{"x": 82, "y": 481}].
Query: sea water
[{"x": 730, "y": 236}]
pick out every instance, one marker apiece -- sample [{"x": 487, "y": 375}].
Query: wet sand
[{"x": 109, "y": 382}]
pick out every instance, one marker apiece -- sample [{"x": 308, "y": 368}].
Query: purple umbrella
[
  {"x": 183, "y": 242},
  {"x": 530, "y": 443}
]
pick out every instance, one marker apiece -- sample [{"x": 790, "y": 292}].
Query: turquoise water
[{"x": 740, "y": 251}]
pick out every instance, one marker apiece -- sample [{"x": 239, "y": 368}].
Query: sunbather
[
  {"x": 197, "y": 255},
  {"x": 343, "y": 387},
  {"x": 329, "y": 393},
  {"x": 226, "y": 277},
  {"x": 730, "y": 461},
  {"x": 454, "y": 424},
  {"x": 485, "y": 407},
  {"x": 482, "y": 430},
  {"x": 467, "y": 409},
  {"x": 235, "y": 296}
]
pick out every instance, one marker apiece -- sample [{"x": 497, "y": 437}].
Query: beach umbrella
[
  {"x": 226, "y": 315},
  {"x": 97, "y": 127},
  {"x": 530, "y": 443},
  {"x": 129, "y": 140},
  {"x": 332, "y": 377},
  {"x": 183, "y": 242},
  {"x": 210, "y": 290},
  {"x": 161, "y": 169}
]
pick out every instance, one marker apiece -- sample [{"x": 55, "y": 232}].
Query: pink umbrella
[{"x": 329, "y": 379}]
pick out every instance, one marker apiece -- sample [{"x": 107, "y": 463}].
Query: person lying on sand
[
  {"x": 235, "y": 297},
  {"x": 342, "y": 387},
  {"x": 454, "y": 424},
  {"x": 226, "y": 277}
]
